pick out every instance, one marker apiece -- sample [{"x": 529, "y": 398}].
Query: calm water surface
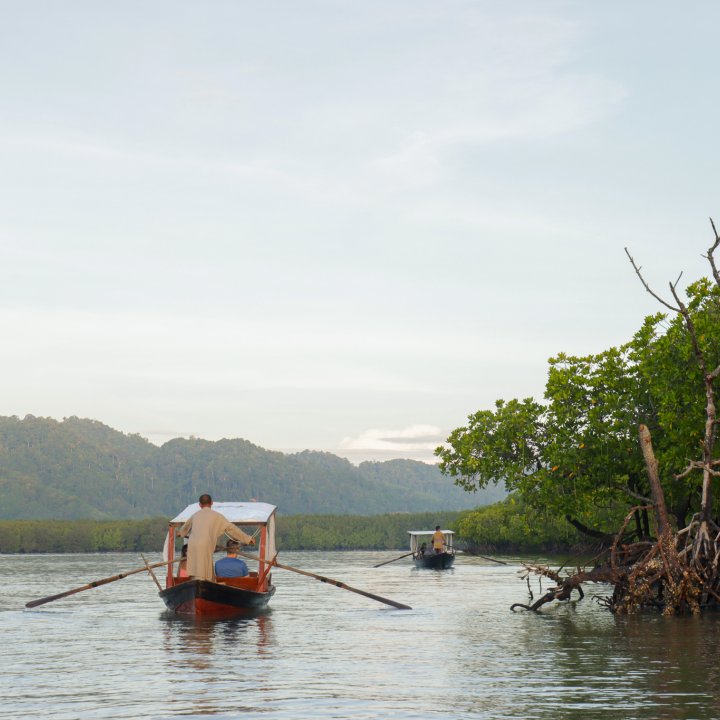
[{"x": 323, "y": 652}]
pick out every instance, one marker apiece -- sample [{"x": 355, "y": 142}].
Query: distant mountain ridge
[{"x": 78, "y": 468}]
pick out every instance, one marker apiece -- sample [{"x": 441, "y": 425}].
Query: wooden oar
[
  {"x": 152, "y": 574},
  {"x": 387, "y": 562},
  {"x": 328, "y": 580},
  {"x": 95, "y": 583}
]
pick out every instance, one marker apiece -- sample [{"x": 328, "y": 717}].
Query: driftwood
[{"x": 679, "y": 571}]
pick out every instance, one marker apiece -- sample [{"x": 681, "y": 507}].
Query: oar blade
[
  {"x": 95, "y": 583},
  {"x": 387, "y": 562},
  {"x": 50, "y": 598}
]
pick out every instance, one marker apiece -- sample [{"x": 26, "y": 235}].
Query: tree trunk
[{"x": 656, "y": 491}]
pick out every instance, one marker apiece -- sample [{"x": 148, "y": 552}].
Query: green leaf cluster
[
  {"x": 577, "y": 453},
  {"x": 512, "y": 526}
]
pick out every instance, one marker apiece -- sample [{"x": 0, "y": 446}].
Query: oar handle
[{"x": 327, "y": 580}]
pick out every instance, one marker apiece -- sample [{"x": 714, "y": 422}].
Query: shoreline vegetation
[{"x": 505, "y": 527}]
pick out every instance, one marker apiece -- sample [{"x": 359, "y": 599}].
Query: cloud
[
  {"x": 414, "y": 442},
  {"x": 411, "y": 438}
]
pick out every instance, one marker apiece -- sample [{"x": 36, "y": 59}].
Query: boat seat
[{"x": 247, "y": 583}]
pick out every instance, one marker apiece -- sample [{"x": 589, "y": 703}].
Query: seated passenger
[
  {"x": 231, "y": 566},
  {"x": 182, "y": 567}
]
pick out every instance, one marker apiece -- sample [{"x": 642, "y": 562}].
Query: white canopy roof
[
  {"x": 236, "y": 512},
  {"x": 429, "y": 532}
]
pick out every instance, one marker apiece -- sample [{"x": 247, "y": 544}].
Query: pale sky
[{"x": 338, "y": 225}]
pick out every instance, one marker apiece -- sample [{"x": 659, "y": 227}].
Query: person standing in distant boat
[
  {"x": 438, "y": 540},
  {"x": 204, "y": 529}
]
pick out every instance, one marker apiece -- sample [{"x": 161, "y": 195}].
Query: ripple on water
[{"x": 322, "y": 652}]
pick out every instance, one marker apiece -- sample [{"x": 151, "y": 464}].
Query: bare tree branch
[
  {"x": 694, "y": 465},
  {"x": 710, "y": 257},
  {"x": 632, "y": 493},
  {"x": 682, "y": 309},
  {"x": 647, "y": 287}
]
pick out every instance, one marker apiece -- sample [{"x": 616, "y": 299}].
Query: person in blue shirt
[{"x": 232, "y": 565}]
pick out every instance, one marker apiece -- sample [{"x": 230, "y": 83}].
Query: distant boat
[
  {"x": 224, "y": 596},
  {"x": 423, "y": 554}
]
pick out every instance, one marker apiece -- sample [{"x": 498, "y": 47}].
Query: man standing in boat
[
  {"x": 204, "y": 528},
  {"x": 438, "y": 540}
]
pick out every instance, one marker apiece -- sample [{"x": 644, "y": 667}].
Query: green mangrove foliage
[
  {"x": 512, "y": 526},
  {"x": 354, "y": 532},
  {"x": 295, "y": 532},
  {"x": 577, "y": 454},
  {"x": 81, "y": 536}
]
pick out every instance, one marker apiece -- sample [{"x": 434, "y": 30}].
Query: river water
[{"x": 323, "y": 652}]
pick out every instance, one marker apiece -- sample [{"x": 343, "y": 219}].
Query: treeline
[
  {"x": 81, "y": 536},
  {"x": 356, "y": 532},
  {"x": 296, "y": 532},
  {"x": 510, "y": 526}
]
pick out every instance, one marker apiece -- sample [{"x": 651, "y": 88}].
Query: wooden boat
[
  {"x": 424, "y": 556},
  {"x": 224, "y": 597}
]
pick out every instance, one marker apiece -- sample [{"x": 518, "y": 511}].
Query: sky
[{"x": 338, "y": 225}]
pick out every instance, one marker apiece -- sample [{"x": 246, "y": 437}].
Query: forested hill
[{"x": 83, "y": 469}]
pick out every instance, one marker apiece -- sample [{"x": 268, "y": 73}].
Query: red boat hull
[{"x": 210, "y": 599}]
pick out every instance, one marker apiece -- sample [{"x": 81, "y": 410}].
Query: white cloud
[
  {"x": 411, "y": 438},
  {"x": 413, "y": 442}
]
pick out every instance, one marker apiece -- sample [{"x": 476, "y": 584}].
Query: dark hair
[
  {"x": 437, "y": 527},
  {"x": 205, "y": 499}
]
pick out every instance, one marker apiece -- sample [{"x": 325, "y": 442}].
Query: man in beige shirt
[
  {"x": 438, "y": 540},
  {"x": 204, "y": 528}
]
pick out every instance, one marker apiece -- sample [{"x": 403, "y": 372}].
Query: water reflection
[
  {"x": 201, "y": 639},
  {"x": 675, "y": 661},
  {"x": 213, "y": 660}
]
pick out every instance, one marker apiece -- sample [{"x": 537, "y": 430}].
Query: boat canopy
[
  {"x": 240, "y": 513},
  {"x": 417, "y": 536},
  {"x": 244, "y": 513},
  {"x": 429, "y": 532}
]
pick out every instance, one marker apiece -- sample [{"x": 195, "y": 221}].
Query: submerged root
[{"x": 678, "y": 574}]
